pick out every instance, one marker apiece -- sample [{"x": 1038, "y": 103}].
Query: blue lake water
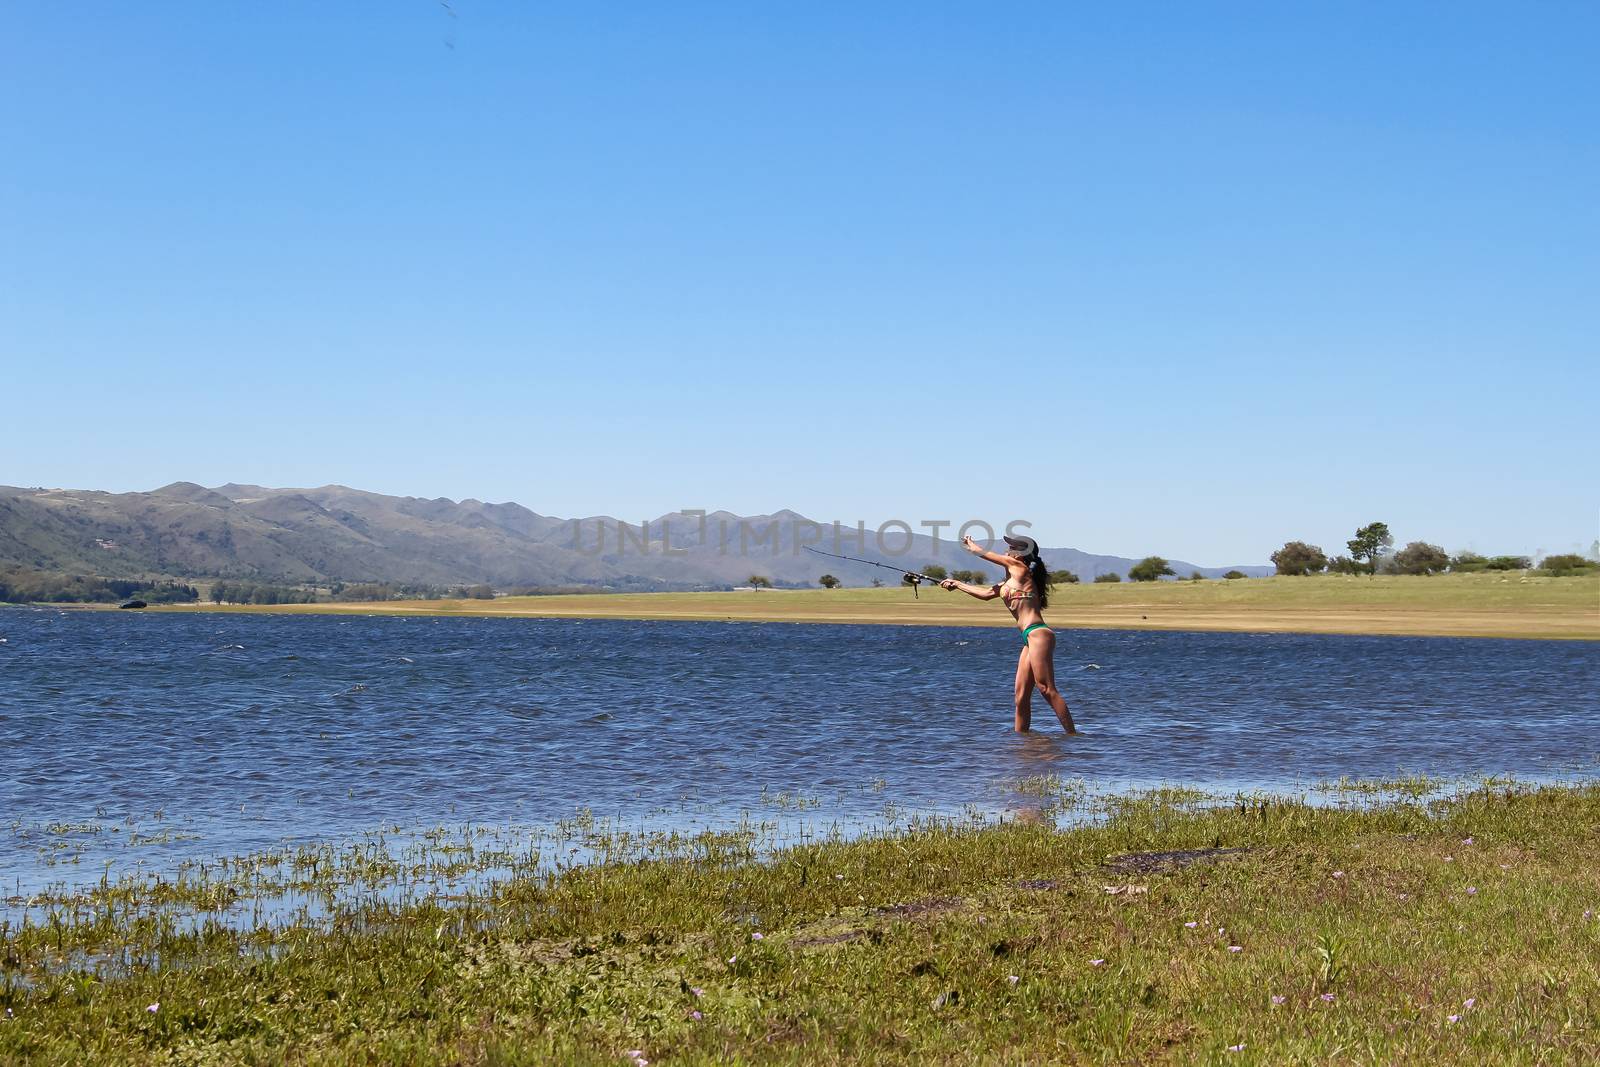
[{"x": 245, "y": 730}]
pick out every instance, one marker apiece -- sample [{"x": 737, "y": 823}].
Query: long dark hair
[{"x": 1040, "y": 578}]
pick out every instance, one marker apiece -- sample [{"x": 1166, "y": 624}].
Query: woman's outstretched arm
[
  {"x": 971, "y": 590},
  {"x": 1008, "y": 562}
]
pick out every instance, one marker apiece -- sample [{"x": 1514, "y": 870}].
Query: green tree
[
  {"x": 1062, "y": 575},
  {"x": 1196, "y": 576},
  {"x": 1234, "y": 575},
  {"x": 1149, "y": 569},
  {"x": 828, "y": 581},
  {"x": 934, "y": 571},
  {"x": 759, "y": 582},
  {"x": 1370, "y": 542},
  {"x": 1419, "y": 557},
  {"x": 1299, "y": 558},
  {"x": 1110, "y": 576}
]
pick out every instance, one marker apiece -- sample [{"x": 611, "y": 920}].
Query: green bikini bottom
[{"x": 1036, "y": 626}]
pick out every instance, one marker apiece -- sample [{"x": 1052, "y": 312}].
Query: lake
[{"x": 217, "y": 733}]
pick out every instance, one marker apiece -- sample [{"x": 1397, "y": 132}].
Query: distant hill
[{"x": 335, "y": 533}]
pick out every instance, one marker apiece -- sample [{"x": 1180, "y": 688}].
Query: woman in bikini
[{"x": 1023, "y": 593}]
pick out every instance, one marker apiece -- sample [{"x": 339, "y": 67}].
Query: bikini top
[{"x": 1017, "y": 593}]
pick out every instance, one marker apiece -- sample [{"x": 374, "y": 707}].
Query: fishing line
[{"x": 916, "y": 577}]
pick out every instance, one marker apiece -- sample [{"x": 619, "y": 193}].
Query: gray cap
[{"x": 1029, "y": 547}]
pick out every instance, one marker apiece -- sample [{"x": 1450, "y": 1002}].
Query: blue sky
[{"x": 1178, "y": 278}]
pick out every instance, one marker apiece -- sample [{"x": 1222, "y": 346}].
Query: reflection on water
[{"x": 244, "y": 730}]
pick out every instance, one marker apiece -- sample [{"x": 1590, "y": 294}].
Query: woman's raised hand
[{"x": 971, "y": 546}]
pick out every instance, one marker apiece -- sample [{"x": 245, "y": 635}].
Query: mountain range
[{"x": 335, "y": 533}]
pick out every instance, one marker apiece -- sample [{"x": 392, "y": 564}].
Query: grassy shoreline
[
  {"x": 1406, "y": 931},
  {"x": 1465, "y": 605}
]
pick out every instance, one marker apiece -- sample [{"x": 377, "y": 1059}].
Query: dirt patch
[
  {"x": 865, "y": 923},
  {"x": 1158, "y": 862},
  {"x": 920, "y": 908},
  {"x": 829, "y": 939}
]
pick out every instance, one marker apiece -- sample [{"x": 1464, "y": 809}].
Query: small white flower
[
  {"x": 1013, "y": 979},
  {"x": 153, "y": 1008}
]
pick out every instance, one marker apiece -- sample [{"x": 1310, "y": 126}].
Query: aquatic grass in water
[{"x": 1171, "y": 927}]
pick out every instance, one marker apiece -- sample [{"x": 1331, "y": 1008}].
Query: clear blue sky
[{"x": 1177, "y": 278}]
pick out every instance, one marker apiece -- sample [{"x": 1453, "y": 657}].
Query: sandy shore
[{"x": 1445, "y": 606}]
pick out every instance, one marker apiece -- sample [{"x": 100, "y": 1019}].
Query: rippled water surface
[{"x": 245, "y": 730}]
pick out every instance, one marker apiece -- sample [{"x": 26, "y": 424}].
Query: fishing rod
[{"x": 916, "y": 577}]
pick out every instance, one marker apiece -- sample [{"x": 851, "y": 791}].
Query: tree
[
  {"x": 1370, "y": 542},
  {"x": 1509, "y": 563},
  {"x": 828, "y": 581},
  {"x": 1063, "y": 575},
  {"x": 1111, "y": 576},
  {"x": 1419, "y": 557},
  {"x": 1232, "y": 575},
  {"x": 967, "y": 576},
  {"x": 934, "y": 571},
  {"x": 1566, "y": 565},
  {"x": 1196, "y": 576},
  {"x": 877, "y": 583},
  {"x": 759, "y": 582},
  {"x": 1299, "y": 558},
  {"x": 1344, "y": 565},
  {"x": 1149, "y": 569}
]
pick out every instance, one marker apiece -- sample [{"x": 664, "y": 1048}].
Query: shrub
[
  {"x": 1297, "y": 557},
  {"x": 1196, "y": 576},
  {"x": 1063, "y": 575},
  {"x": 828, "y": 581},
  {"x": 1113, "y": 576},
  {"x": 1345, "y": 565},
  {"x": 1419, "y": 557},
  {"x": 1567, "y": 565},
  {"x": 1149, "y": 569},
  {"x": 1231, "y": 575}
]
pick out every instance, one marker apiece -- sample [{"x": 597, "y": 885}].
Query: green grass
[
  {"x": 1463, "y": 605},
  {"x": 1375, "y": 922}
]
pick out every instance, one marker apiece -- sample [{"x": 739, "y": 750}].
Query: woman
[{"x": 1023, "y": 593}]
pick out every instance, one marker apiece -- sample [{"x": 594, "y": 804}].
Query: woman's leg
[
  {"x": 1024, "y": 694},
  {"x": 1041, "y": 652}
]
